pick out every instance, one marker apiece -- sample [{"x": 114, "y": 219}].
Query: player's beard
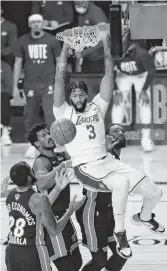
[
  {"x": 82, "y": 109},
  {"x": 50, "y": 148},
  {"x": 34, "y": 180},
  {"x": 122, "y": 143}
]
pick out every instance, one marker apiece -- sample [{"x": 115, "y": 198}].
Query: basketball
[{"x": 62, "y": 131}]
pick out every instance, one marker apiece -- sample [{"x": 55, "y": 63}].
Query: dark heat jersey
[
  {"x": 25, "y": 229},
  {"x": 62, "y": 202}
]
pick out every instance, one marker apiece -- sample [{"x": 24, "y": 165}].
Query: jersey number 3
[
  {"x": 18, "y": 225},
  {"x": 91, "y": 130}
]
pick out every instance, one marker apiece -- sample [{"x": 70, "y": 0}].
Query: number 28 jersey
[
  {"x": 25, "y": 229},
  {"x": 89, "y": 142}
]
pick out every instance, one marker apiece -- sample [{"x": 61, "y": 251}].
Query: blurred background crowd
[{"x": 27, "y": 72}]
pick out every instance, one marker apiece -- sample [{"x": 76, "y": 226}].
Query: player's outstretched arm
[
  {"x": 73, "y": 207},
  {"x": 61, "y": 69},
  {"x": 41, "y": 207},
  {"x": 45, "y": 177},
  {"x": 107, "y": 83}
]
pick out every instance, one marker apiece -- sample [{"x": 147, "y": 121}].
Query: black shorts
[
  {"x": 97, "y": 224},
  {"x": 19, "y": 258},
  {"x": 64, "y": 243}
]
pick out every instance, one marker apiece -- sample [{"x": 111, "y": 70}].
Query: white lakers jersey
[{"x": 89, "y": 142}]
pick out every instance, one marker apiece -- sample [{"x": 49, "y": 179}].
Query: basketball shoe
[
  {"x": 122, "y": 246},
  {"x": 152, "y": 225}
]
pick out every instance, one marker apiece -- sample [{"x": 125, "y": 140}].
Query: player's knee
[
  {"x": 158, "y": 193},
  {"x": 124, "y": 183}
]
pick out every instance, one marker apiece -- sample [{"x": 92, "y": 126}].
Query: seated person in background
[
  {"x": 6, "y": 96},
  {"x": 136, "y": 69},
  {"x": 8, "y": 38},
  {"x": 54, "y": 12},
  {"x": 92, "y": 58}
]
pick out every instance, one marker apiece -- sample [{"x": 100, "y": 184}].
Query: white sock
[{"x": 146, "y": 132}]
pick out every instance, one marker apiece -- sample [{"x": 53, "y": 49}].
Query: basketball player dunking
[
  {"x": 94, "y": 167},
  {"x": 63, "y": 249},
  {"x": 30, "y": 215}
]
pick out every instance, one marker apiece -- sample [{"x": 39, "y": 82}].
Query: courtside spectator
[
  {"x": 37, "y": 52},
  {"x": 93, "y": 57},
  {"x": 6, "y": 96},
  {"x": 8, "y": 38},
  {"x": 54, "y": 13}
]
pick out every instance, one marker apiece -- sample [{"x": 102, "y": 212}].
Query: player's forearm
[
  {"x": 16, "y": 73},
  {"x": 149, "y": 79},
  {"x": 62, "y": 222},
  {"x": 46, "y": 181},
  {"x": 53, "y": 195},
  {"x": 108, "y": 61},
  {"x": 61, "y": 69}
]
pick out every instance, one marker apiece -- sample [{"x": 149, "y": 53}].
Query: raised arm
[
  {"x": 61, "y": 69},
  {"x": 45, "y": 177},
  {"x": 107, "y": 83},
  {"x": 41, "y": 207}
]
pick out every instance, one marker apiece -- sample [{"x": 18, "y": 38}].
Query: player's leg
[
  {"x": 124, "y": 87},
  {"x": 47, "y": 104},
  {"x": 71, "y": 262},
  {"x": 98, "y": 176},
  {"x": 142, "y": 185},
  {"x": 64, "y": 246},
  {"x": 99, "y": 260},
  {"x": 115, "y": 262},
  {"x": 144, "y": 112},
  {"x": 151, "y": 193},
  {"x": 93, "y": 223},
  {"x": 27, "y": 258}
]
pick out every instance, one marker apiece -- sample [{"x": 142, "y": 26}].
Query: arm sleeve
[
  {"x": 62, "y": 111},
  {"x": 102, "y": 105}
]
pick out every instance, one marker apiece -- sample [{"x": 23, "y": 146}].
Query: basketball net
[{"x": 79, "y": 38}]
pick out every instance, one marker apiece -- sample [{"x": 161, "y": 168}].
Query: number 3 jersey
[
  {"x": 25, "y": 230},
  {"x": 89, "y": 142}
]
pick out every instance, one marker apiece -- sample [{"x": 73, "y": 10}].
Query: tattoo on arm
[
  {"x": 108, "y": 61},
  {"x": 61, "y": 67}
]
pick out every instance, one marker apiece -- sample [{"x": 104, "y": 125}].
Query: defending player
[
  {"x": 94, "y": 167},
  {"x": 63, "y": 249},
  {"x": 29, "y": 213},
  {"x": 136, "y": 68},
  {"x": 96, "y": 216}
]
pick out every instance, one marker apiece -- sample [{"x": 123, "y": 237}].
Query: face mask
[{"x": 80, "y": 10}]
